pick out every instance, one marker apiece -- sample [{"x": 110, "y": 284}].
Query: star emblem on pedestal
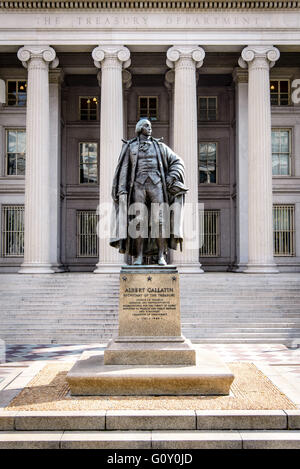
[
  {"x": 174, "y": 278},
  {"x": 149, "y": 278},
  {"x": 124, "y": 278}
]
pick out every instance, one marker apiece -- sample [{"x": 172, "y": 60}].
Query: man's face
[{"x": 146, "y": 129}]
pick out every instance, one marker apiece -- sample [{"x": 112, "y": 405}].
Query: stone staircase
[
  {"x": 82, "y": 308},
  {"x": 162, "y": 430}
]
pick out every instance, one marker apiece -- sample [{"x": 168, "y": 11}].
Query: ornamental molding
[{"x": 150, "y": 4}]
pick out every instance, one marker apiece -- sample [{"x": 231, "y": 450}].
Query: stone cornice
[{"x": 150, "y": 4}]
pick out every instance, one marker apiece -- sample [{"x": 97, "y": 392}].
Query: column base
[
  {"x": 36, "y": 269},
  {"x": 108, "y": 268},
  {"x": 261, "y": 269},
  {"x": 239, "y": 268}
]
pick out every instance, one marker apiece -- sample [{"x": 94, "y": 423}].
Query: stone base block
[
  {"x": 90, "y": 377},
  {"x": 150, "y": 351}
]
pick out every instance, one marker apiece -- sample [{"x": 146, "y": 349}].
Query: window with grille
[
  {"x": 280, "y": 92},
  {"x": 148, "y": 107},
  {"x": 15, "y": 152},
  {"x": 207, "y": 108},
  {"x": 13, "y": 230},
  {"x": 88, "y": 162},
  {"x": 16, "y": 92},
  {"x": 88, "y": 108},
  {"x": 210, "y": 233},
  {"x": 284, "y": 230},
  {"x": 87, "y": 240},
  {"x": 281, "y": 152},
  {"x": 208, "y": 162}
]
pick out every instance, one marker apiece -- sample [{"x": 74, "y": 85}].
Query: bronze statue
[{"x": 150, "y": 175}]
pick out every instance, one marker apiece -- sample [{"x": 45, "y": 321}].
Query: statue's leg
[
  {"x": 139, "y": 196},
  {"x": 157, "y": 197}
]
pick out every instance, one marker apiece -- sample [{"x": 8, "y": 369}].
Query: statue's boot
[
  {"x": 138, "y": 260},
  {"x": 161, "y": 261}
]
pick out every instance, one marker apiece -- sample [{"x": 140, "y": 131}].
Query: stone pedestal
[
  {"x": 150, "y": 356},
  {"x": 149, "y": 320}
]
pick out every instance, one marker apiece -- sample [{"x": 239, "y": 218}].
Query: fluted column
[
  {"x": 260, "y": 220},
  {"x": 241, "y": 112},
  {"x": 37, "y": 250},
  {"x": 111, "y": 60},
  {"x": 185, "y": 60}
]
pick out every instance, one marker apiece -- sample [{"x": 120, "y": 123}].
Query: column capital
[
  {"x": 192, "y": 53},
  {"x": 115, "y": 52},
  {"x": 44, "y": 53},
  {"x": 269, "y": 54}
]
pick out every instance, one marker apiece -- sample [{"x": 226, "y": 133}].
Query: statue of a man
[{"x": 151, "y": 174}]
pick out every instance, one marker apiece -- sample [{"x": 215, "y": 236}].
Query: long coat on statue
[{"x": 169, "y": 164}]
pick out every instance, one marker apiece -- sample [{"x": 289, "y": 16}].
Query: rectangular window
[
  {"x": 281, "y": 152},
  {"x": 16, "y": 92},
  {"x": 88, "y": 162},
  {"x": 13, "y": 230},
  {"x": 87, "y": 240},
  {"x": 148, "y": 107},
  {"x": 88, "y": 108},
  {"x": 210, "y": 233},
  {"x": 284, "y": 230},
  {"x": 280, "y": 92},
  {"x": 207, "y": 108},
  {"x": 208, "y": 162},
  {"x": 15, "y": 152}
]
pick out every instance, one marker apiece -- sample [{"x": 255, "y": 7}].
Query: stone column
[
  {"x": 55, "y": 80},
  {"x": 37, "y": 257},
  {"x": 112, "y": 60},
  {"x": 241, "y": 111},
  {"x": 260, "y": 219},
  {"x": 185, "y": 60}
]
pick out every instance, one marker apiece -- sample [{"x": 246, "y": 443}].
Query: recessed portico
[{"x": 90, "y": 44}]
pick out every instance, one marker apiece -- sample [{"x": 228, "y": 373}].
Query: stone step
[
  {"x": 138, "y": 420},
  {"x": 171, "y": 439}
]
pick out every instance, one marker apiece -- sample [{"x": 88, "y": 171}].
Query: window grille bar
[
  {"x": 211, "y": 234},
  {"x": 13, "y": 231},
  {"x": 87, "y": 241},
  {"x": 284, "y": 230}
]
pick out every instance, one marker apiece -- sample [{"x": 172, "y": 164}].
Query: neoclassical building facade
[{"x": 218, "y": 80}]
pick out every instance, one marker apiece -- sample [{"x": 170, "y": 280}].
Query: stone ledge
[
  {"x": 280, "y": 439},
  {"x": 242, "y": 420},
  {"x": 106, "y": 440},
  {"x": 150, "y": 420},
  {"x": 293, "y": 419}
]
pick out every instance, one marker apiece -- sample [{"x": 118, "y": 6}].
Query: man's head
[{"x": 143, "y": 127}]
